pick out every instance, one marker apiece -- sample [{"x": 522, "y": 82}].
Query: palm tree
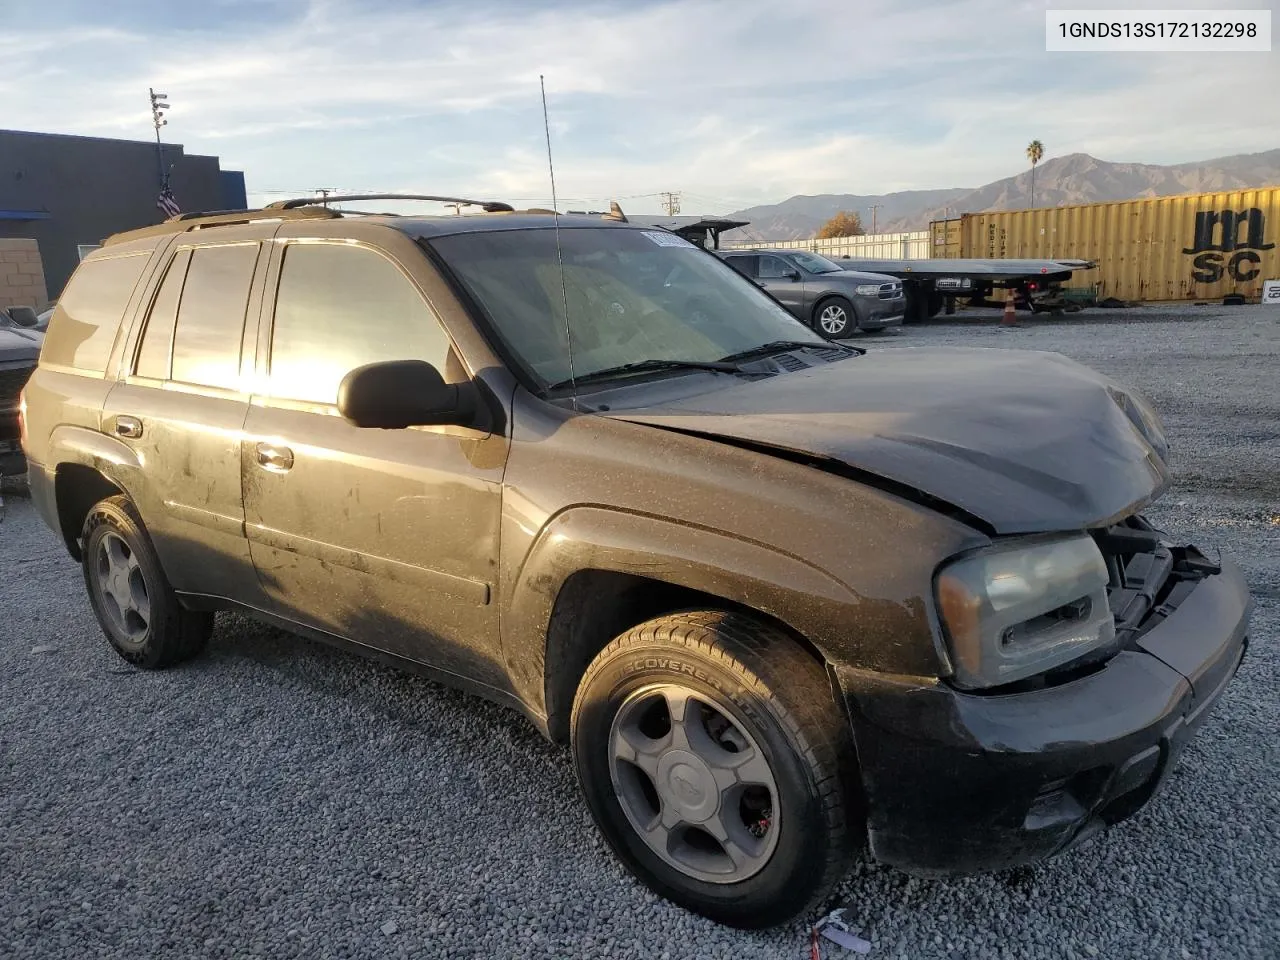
[{"x": 1035, "y": 150}]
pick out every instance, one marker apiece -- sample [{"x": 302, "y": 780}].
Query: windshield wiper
[
  {"x": 776, "y": 346},
  {"x": 640, "y": 366}
]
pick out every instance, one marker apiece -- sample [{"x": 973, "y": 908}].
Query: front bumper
[
  {"x": 959, "y": 783},
  {"x": 876, "y": 314}
]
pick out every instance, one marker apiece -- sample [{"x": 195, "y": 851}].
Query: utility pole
[
  {"x": 670, "y": 203},
  {"x": 158, "y": 106},
  {"x": 874, "y": 207},
  {"x": 324, "y": 192}
]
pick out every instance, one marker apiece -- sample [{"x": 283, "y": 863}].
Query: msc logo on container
[{"x": 1211, "y": 261}]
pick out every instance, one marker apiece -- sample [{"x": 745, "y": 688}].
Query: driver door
[
  {"x": 783, "y": 280},
  {"x": 385, "y": 537}
]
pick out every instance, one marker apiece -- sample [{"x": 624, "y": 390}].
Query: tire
[
  {"x": 835, "y": 318},
  {"x": 147, "y": 625},
  {"x": 755, "y": 694}
]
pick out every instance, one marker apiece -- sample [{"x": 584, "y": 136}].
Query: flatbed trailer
[{"x": 934, "y": 285}]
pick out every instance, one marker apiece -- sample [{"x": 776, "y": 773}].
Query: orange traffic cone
[{"x": 1010, "y": 319}]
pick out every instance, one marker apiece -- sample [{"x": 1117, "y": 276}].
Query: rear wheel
[
  {"x": 834, "y": 318},
  {"x": 714, "y": 760},
  {"x": 130, "y": 595}
]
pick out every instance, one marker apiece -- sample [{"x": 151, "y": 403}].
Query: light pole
[{"x": 158, "y": 106}]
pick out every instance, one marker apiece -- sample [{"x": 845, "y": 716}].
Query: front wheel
[
  {"x": 715, "y": 762},
  {"x": 834, "y": 318}
]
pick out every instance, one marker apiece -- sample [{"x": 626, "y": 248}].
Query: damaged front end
[{"x": 959, "y": 781}]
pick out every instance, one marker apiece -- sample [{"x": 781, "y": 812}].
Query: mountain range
[{"x": 1060, "y": 181}]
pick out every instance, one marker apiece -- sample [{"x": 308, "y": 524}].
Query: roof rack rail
[
  {"x": 184, "y": 222},
  {"x": 488, "y": 206}
]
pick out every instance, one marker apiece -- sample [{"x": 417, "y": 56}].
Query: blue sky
[{"x": 731, "y": 102}]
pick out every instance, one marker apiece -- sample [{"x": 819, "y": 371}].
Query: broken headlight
[{"x": 1013, "y": 611}]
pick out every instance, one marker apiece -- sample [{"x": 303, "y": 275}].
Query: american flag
[{"x": 167, "y": 204}]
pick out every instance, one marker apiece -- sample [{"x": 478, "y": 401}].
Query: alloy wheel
[
  {"x": 694, "y": 784},
  {"x": 121, "y": 588},
  {"x": 834, "y": 319}
]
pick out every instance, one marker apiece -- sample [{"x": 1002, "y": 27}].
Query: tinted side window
[
  {"x": 83, "y": 327},
  {"x": 775, "y": 268},
  {"x": 157, "y": 338},
  {"x": 745, "y": 265},
  {"x": 338, "y": 308},
  {"x": 206, "y": 343}
]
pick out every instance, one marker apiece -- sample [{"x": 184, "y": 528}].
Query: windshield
[
  {"x": 816, "y": 264},
  {"x": 632, "y": 296}
]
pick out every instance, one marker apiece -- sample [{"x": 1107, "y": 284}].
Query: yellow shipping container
[
  {"x": 945, "y": 236},
  {"x": 1193, "y": 247}
]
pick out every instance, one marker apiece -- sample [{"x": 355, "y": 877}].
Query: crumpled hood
[{"x": 1025, "y": 441}]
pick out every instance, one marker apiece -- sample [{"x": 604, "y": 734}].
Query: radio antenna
[{"x": 555, "y": 211}]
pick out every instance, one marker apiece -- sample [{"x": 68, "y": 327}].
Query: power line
[{"x": 670, "y": 202}]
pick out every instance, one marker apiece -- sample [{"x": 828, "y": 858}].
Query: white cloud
[{"x": 749, "y": 100}]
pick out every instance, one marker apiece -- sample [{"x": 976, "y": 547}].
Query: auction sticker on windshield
[{"x": 668, "y": 239}]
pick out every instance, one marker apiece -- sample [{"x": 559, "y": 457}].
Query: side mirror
[
  {"x": 793, "y": 275},
  {"x": 23, "y": 316},
  {"x": 403, "y": 393}
]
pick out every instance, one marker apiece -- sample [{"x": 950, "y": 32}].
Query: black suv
[{"x": 783, "y": 596}]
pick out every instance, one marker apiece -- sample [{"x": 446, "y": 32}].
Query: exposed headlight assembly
[
  {"x": 1014, "y": 611},
  {"x": 867, "y": 289}
]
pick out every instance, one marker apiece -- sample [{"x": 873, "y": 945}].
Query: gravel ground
[{"x": 280, "y": 799}]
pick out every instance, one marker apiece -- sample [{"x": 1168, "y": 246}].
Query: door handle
[
  {"x": 271, "y": 457},
  {"x": 126, "y": 426}
]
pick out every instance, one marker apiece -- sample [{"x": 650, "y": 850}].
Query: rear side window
[
  {"x": 338, "y": 308},
  {"x": 210, "y": 323},
  {"x": 84, "y": 325},
  {"x": 157, "y": 338}
]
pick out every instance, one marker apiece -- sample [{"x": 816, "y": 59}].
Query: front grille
[
  {"x": 1149, "y": 577},
  {"x": 12, "y": 380},
  {"x": 890, "y": 291}
]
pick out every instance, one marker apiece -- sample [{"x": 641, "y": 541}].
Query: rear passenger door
[
  {"x": 385, "y": 537},
  {"x": 181, "y": 406}
]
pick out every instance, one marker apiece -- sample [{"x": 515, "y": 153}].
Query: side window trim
[
  {"x": 131, "y": 368},
  {"x": 133, "y": 309}
]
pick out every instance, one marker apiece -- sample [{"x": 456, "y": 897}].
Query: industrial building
[{"x": 68, "y": 193}]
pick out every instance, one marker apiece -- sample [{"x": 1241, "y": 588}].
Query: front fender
[{"x": 786, "y": 587}]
